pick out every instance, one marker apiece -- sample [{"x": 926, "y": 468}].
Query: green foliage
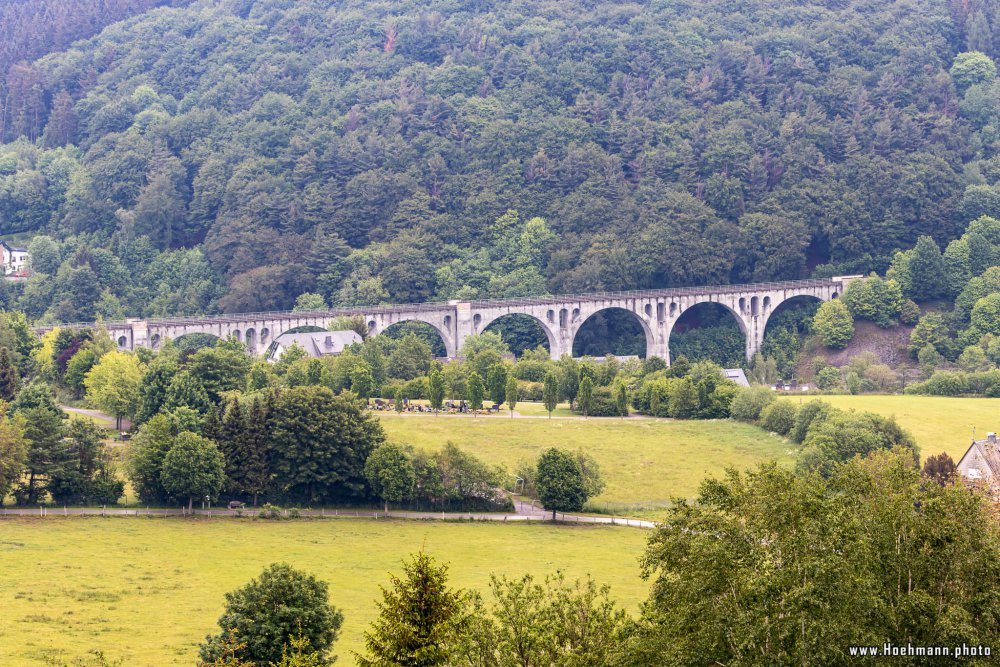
[
  {"x": 113, "y": 383},
  {"x": 868, "y": 526},
  {"x": 193, "y": 468},
  {"x": 985, "y": 317},
  {"x": 560, "y": 482},
  {"x": 318, "y": 444},
  {"x": 586, "y": 395},
  {"x": 683, "y": 399},
  {"x": 511, "y": 392},
  {"x": 550, "y": 393},
  {"x": 550, "y": 623},
  {"x": 971, "y": 68},
  {"x": 833, "y": 324},
  {"x": 47, "y": 458},
  {"x": 805, "y": 416},
  {"x": 389, "y": 471},
  {"x": 879, "y": 301},
  {"x": 436, "y": 390},
  {"x": 476, "y": 390},
  {"x": 749, "y": 402},
  {"x": 88, "y": 474},
  {"x": 837, "y": 436},
  {"x": 420, "y": 618},
  {"x": 13, "y": 454},
  {"x": 273, "y": 612},
  {"x": 621, "y": 400},
  {"x": 779, "y": 417},
  {"x": 191, "y": 186}
]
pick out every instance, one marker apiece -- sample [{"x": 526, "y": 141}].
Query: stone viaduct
[{"x": 560, "y": 317}]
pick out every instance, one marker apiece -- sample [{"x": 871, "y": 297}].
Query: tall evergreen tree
[
  {"x": 47, "y": 455},
  {"x": 10, "y": 380},
  {"x": 927, "y": 270},
  {"x": 419, "y": 619}
]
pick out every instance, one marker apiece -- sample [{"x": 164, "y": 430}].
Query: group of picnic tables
[{"x": 451, "y": 407}]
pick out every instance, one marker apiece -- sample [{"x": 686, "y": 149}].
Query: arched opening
[
  {"x": 154, "y": 341},
  {"x": 709, "y": 331},
  {"x": 611, "y": 331},
  {"x": 520, "y": 332},
  {"x": 250, "y": 340},
  {"x": 421, "y": 330},
  {"x": 122, "y": 341},
  {"x": 190, "y": 343},
  {"x": 237, "y": 334},
  {"x": 308, "y": 328},
  {"x": 784, "y": 331}
]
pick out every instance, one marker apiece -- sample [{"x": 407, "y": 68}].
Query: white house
[
  {"x": 315, "y": 344},
  {"x": 15, "y": 260},
  {"x": 981, "y": 463}
]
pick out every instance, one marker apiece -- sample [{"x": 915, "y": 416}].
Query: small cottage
[
  {"x": 15, "y": 259},
  {"x": 981, "y": 463}
]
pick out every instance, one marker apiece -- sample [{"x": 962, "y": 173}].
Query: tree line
[{"x": 433, "y": 151}]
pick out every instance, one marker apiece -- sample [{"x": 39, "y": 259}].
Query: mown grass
[
  {"x": 148, "y": 590},
  {"x": 939, "y": 423},
  {"x": 645, "y": 462}
]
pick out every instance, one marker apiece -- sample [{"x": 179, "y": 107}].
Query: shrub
[
  {"x": 603, "y": 403},
  {"x": 283, "y": 603},
  {"x": 828, "y": 378},
  {"x": 834, "y": 325},
  {"x": 530, "y": 391},
  {"x": 813, "y": 411},
  {"x": 779, "y": 416},
  {"x": 749, "y": 402}
]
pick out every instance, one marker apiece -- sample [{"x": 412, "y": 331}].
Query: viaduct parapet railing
[{"x": 560, "y": 316}]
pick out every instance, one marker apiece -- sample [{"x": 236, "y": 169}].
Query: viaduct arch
[{"x": 560, "y": 317}]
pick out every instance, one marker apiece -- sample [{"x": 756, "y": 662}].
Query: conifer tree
[
  {"x": 10, "y": 381},
  {"x": 419, "y": 618}
]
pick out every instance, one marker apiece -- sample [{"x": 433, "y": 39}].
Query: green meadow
[
  {"x": 147, "y": 591},
  {"x": 939, "y": 423},
  {"x": 645, "y": 462}
]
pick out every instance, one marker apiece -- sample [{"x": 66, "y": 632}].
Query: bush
[
  {"x": 779, "y": 416},
  {"x": 416, "y": 389},
  {"x": 530, "y": 391},
  {"x": 834, "y": 325},
  {"x": 749, "y": 402},
  {"x": 874, "y": 299},
  {"x": 813, "y": 411},
  {"x": 603, "y": 403},
  {"x": 282, "y": 604},
  {"x": 828, "y": 378}
]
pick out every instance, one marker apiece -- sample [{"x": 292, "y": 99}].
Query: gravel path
[{"x": 530, "y": 513}]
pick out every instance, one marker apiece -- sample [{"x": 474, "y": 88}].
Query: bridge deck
[{"x": 673, "y": 292}]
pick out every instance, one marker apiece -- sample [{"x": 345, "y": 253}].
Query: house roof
[
  {"x": 319, "y": 343},
  {"x": 736, "y": 375},
  {"x": 989, "y": 452},
  {"x": 11, "y": 248}
]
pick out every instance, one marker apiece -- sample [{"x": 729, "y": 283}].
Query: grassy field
[
  {"x": 148, "y": 590},
  {"x": 939, "y": 423},
  {"x": 645, "y": 462}
]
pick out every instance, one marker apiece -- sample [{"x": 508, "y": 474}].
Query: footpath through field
[{"x": 524, "y": 512}]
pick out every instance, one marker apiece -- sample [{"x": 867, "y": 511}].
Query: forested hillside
[{"x": 233, "y": 154}]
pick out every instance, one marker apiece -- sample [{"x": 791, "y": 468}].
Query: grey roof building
[
  {"x": 316, "y": 343},
  {"x": 736, "y": 375},
  {"x": 981, "y": 463}
]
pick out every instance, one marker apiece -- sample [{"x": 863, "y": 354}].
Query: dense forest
[{"x": 234, "y": 154}]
